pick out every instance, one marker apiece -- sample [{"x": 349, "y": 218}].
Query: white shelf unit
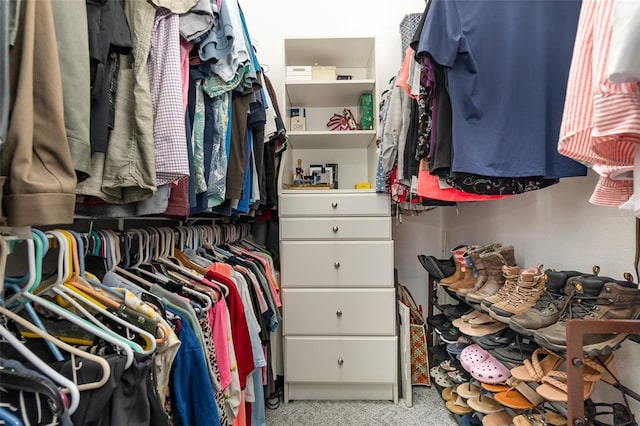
[
  {"x": 336, "y": 250},
  {"x": 354, "y": 151}
]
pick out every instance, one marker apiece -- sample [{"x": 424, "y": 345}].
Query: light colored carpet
[{"x": 428, "y": 409}]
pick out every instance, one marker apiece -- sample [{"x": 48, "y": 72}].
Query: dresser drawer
[
  {"x": 336, "y": 263},
  {"x": 344, "y": 360},
  {"x": 339, "y": 311},
  {"x": 357, "y": 204},
  {"x": 338, "y": 228}
]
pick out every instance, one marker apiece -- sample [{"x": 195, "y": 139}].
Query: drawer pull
[
  {"x": 336, "y": 265},
  {"x": 340, "y": 361},
  {"x": 334, "y": 205},
  {"x": 335, "y": 229},
  {"x": 338, "y": 313}
]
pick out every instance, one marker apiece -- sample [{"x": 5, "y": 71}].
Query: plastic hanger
[
  {"x": 84, "y": 324},
  {"x": 104, "y": 365},
  {"x": 9, "y": 418},
  {"x": 37, "y": 362},
  {"x": 68, "y": 292}
]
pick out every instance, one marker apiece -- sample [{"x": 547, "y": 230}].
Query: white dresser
[{"x": 338, "y": 296}]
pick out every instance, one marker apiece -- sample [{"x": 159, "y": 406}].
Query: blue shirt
[
  {"x": 193, "y": 400},
  {"x": 508, "y": 64}
]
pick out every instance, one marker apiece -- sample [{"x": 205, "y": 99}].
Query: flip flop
[
  {"x": 535, "y": 369},
  {"x": 550, "y": 418},
  {"x": 495, "y": 387},
  {"x": 513, "y": 399},
  {"x": 459, "y": 406},
  {"x": 449, "y": 394},
  {"x": 501, "y": 418},
  {"x": 481, "y": 319},
  {"x": 468, "y": 390},
  {"x": 484, "y": 404}
]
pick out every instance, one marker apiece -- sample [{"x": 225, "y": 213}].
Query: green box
[{"x": 366, "y": 104}]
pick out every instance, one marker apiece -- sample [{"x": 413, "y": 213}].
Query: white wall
[{"x": 556, "y": 226}]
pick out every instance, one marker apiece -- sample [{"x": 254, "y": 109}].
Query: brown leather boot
[
  {"x": 458, "y": 275},
  {"x": 593, "y": 300}
]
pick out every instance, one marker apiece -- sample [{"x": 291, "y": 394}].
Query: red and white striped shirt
[{"x": 601, "y": 121}]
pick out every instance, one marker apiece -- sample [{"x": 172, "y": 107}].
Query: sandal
[
  {"x": 468, "y": 390},
  {"x": 513, "y": 399},
  {"x": 484, "y": 404},
  {"x": 554, "y": 386},
  {"x": 449, "y": 394},
  {"x": 495, "y": 387},
  {"x": 458, "y": 406},
  {"x": 440, "y": 377},
  {"x": 618, "y": 412},
  {"x": 535, "y": 369},
  {"x": 540, "y": 419},
  {"x": 459, "y": 376},
  {"x": 501, "y": 418}
]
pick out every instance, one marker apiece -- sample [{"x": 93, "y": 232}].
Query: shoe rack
[{"x": 576, "y": 329}]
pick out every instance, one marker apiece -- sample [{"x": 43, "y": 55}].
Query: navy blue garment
[
  {"x": 507, "y": 66},
  {"x": 194, "y": 403}
]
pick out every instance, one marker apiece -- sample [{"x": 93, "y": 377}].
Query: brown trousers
[{"x": 41, "y": 182}]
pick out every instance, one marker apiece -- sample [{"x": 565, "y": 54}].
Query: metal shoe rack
[{"x": 576, "y": 329}]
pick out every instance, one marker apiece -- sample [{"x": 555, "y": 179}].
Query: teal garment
[
  {"x": 198, "y": 140},
  {"x": 216, "y": 188},
  {"x": 214, "y": 85}
]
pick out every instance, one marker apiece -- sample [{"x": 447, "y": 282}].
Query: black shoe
[
  {"x": 517, "y": 351},
  {"x": 436, "y": 320},
  {"x": 437, "y": 268},
  {"x": 448, "y": 335},
  {"x": 497, "y": 340},
  {"x": 456, "y": 311}
]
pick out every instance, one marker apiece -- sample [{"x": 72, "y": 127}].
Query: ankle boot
[
  {"x": 481, "y": 270},
  {"x": 467, "y": 282},
  {"x": 510, "y": 276},
  {"x": 547, "y": 309},
  {"x": 594, "y": 300},
  {"x": 493, "y": 262},
  {"x": 529, "y": 287},
  {"x": 458, "y": 254}
]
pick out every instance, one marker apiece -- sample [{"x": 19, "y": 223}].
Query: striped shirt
[{"x": 601, "y": 121}]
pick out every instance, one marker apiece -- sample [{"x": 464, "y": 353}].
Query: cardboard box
[
  {"x": 298, "y": 124},
  {"x": 323, "y": 73}
]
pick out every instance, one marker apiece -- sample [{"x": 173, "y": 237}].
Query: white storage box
[
  {"x": 299, "y": 73},
  {"x": 323, "y": 73}
]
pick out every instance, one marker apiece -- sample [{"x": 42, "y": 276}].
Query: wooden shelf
[
  {"x": 326, "y": 93},
  {"x": 327, "y": 139}
]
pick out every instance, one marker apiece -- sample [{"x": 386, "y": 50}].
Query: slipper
[
  {"x": 473, "y": 354},
  {"x": 468, "y": 390},
  {"x": 513, "y": 399},
  {"x": 459, "y": 406},
  {"x": 484, "y": 404},
  {"x": 495, "y": 387},
  {"x": 449, "y": 394},
  {"x": 490, "y": 371},
  {"x": 466, "y": 318},
  {"x": 440, "y": 377},
  {"x": 501, "y": 418},
  {"x": 481, "y": 330},
  {"x": 535, "y": 369},
  {"x": 449, "y": 365}
]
